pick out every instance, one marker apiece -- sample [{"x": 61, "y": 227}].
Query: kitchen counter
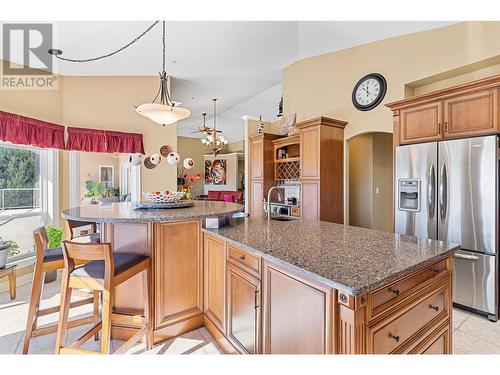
[
  {"x": 125, "y": 212},
  {"x": 350, "y": 259}
]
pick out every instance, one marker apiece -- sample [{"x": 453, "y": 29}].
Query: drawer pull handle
[
  {"x": 242, "y": 257},
  {"x": 434, "y": 307},
  {"x": 396, "y": 338},
  {"x": 436, "y": 271},
  {"x": 395, "y": 291}
]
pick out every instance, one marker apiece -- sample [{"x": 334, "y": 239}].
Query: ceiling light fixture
[
  {"x": 214, "y": 143},
  {"x": 167, "y": 111}
]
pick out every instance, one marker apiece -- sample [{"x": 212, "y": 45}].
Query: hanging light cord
[{"x": 119, "y": 49}]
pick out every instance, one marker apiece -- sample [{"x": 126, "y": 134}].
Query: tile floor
[{"x": 472, "y": 334}]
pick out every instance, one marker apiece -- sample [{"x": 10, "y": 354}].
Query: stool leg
[
  {"x": 107, "y": 307},
  {"x": 62, "y": 326},
  {"x": 148, "y": 311},
  {"x": 36, "y": 293},
  {"x": 12, "y": 284},
  {"x": 96, "y": 312}
]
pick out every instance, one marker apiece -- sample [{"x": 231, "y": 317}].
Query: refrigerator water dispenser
[{"x": 409, "y": 194}]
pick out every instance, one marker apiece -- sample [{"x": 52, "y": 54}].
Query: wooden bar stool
[
  {"x": 91, "y": 236},
  {"x": 48, "y": 260},
  {"x": 103, "y": 272}
]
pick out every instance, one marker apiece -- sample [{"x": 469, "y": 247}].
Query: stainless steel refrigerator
[{"x": 448, "y": 191}]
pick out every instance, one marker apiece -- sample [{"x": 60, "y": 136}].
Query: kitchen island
[{"x": 298, "y": 286}]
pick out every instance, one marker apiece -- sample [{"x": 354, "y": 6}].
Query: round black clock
[{"x": 369, "y": 91}]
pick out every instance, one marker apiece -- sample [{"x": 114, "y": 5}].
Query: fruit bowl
[{"x": 163, "y": 197}]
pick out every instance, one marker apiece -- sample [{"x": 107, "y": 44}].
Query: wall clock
[{"x": 369, "y": 91}]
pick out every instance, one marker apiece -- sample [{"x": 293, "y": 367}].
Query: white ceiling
[{"x": 240, "y": 63}]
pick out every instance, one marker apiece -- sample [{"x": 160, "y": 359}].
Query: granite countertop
[
  {"x": 125, "y": 212},
  {"x": 351, "y": 259}
]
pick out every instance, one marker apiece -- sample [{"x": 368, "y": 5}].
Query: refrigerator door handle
[
  {"x": 443, "y": 193},
  {"x": 431, "y": 193},
  {"x": 465, "y": 256}
]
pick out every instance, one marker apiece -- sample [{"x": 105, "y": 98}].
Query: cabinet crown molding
[
  {"x": 446, "y": 92},
  {"x": 327, "y": 121}
]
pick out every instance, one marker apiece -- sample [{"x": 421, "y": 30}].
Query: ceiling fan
[{"x": 204, "y": 129}]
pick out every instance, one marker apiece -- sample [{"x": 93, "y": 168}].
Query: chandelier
[
  {"x": 167, "y": 111},
  {"x": 214, "y": 143}
]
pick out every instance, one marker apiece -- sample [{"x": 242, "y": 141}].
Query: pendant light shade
[
  {"x": 167, "y": 111},
  {"x": 163, "y": 114}
]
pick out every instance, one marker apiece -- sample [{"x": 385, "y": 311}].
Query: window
[{"x": 26, "y": 189}]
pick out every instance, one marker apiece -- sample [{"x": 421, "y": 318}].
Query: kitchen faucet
[{"x": 267, "y": 207}]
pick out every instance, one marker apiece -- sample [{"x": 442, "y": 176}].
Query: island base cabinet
[
  {"x": 178, "y": 270},
  {"x": 244, "y": 311},
  {"x": 298, "y": 314}
]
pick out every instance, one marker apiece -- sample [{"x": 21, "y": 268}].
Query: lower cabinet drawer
[
  {"x": 248, "y": 262},
  {"x": 391, "y": 334},
  {"x": 382, "y": 298},
  {"x": 436, "y": 343}
]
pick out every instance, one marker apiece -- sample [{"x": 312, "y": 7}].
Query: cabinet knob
[
  {"x": 395, "y": 291},
  {"x": 242, "y": 257},
  {"x": 396, "y": 338},
  {"x": 434, "y": 307}
]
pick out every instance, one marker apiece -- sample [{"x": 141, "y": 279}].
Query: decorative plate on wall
[
  {"x": 165, "y": 150},
  {"x": 148, "y": 164}
]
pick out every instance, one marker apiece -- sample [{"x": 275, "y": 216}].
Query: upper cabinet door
[
  {"x": 257, "y": 158},
  {"x": 420, "y": 123},
  {"x": 471, "y": 114},
  {"x": 309, "y": 153}
]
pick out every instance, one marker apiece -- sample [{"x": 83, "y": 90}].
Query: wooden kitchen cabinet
[
  {"x": 469, "y": 109},
  {"x": 214, "y": 258},
  {"x": 322, "y": 169},
  {"x": 243, "y": 310},
  {"x": 421, "y": 123},
  {"x": 310, "y": 199},
  {"x": 178, "y": 270},
  {"x": 297, "y": 314},
  {"x": 471, "y": 114},
  {"x": 261, "y": 168}
]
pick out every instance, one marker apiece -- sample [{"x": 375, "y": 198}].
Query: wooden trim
[
  {"x": 219, "y": 338},
  {"x": 446, "y": 92},
  {"x": 327, "y": 121},
  {"x": 287, "y": 141}
]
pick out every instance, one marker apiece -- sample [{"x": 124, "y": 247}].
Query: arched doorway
[{"x": 370, "y": 181}]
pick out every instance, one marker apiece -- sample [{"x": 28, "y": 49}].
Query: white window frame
[{"x": 101, "y": 167}]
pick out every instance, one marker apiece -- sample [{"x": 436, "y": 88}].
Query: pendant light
[
  {"x": 214, "y": 143},
  {"x": 165, "y": 112}
]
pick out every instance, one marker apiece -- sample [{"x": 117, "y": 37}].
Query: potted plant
[
  {"x": 110, "y": 195},
  {"x": 7, "y": 248},
  {"x": 94, "y": 191},
  {"x": 54, "y": 235}
]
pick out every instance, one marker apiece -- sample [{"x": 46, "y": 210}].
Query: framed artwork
[
  {"x": 286, "y": 123},
  {"x": 215, "y": 172},
  {"x": 107, "y": 175}
]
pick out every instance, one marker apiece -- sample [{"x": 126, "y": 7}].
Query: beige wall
[
  {"x": 89, "y": 167},
  {"x": 360, "y": 181},
  {"x": 100, "y": 103},
  {"x": 370, "y": 181},
  {"x": 322, "y": 85},
  {"x": 238, "y": 146},
  {"x": 193, "y": 148},
  {"x": 382, "y": 185}
]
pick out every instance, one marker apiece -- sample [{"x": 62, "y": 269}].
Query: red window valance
[
  {"x": 29, "y": 131},
  {"x": 97, "y": 140}
]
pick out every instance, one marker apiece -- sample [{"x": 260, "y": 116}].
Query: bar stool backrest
[
  {"x": 76, "y": 251},
  {"x": 73, "y": 224},
  {"x": 41, "y": 240}
]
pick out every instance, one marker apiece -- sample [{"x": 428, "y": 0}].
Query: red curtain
[
  {"x": 96, "y": 140},
  {"x": 28, "y": 131}
]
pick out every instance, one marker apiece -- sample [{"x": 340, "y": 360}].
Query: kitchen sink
[{"x": 284, "y": 218}]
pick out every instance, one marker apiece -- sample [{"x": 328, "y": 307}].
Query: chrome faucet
[{"x": 268, "y": 203}]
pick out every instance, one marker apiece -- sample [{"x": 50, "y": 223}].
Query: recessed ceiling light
[{"x": 174, "y": 61}]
